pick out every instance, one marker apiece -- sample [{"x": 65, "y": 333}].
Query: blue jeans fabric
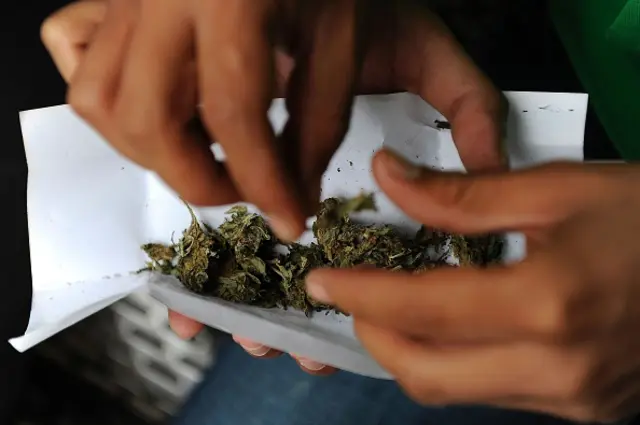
[{"x": 241, "y": 390}]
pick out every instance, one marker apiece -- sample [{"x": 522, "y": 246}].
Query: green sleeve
[{"x": 602, "y": 38}]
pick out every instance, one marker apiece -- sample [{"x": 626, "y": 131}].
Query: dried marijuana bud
[
  {"x": 292, "y": 270},
  {"x": 161, "y": 257},
  {"x": 241, "y": 261},
  {"x": 248, "y": 234},
  {"x": 479, "y": 251},
  {"x": 333, "y": 211}
]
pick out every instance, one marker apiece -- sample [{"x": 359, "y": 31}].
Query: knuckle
[
  {"x": 145, "y": 127},
  {"x": 88, "y": 100},
  {"x": 52, "y": 31},
  {"x": 133, "y": 127}
]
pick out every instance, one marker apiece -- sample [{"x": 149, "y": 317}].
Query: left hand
[{"x": 557, "y": 332}]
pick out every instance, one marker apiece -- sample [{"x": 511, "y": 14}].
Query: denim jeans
[{"x": 241, "y": 390}]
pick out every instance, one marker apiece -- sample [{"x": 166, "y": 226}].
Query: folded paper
[{"x": 90, "y": 210}]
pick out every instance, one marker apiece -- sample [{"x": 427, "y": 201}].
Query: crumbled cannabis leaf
[
  {"x": 482, "y": 251},
  {"x": 239, "y": 262},
  {"x": 333, "y": 211}
]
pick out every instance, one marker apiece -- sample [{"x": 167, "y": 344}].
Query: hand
[
  {"x": 556, "y": 332},
  {"x": 133, "y": 78}
]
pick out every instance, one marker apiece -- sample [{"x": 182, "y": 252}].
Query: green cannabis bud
[{"x": 243, "y": 262}]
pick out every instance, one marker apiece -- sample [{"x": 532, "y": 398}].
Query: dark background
[
  {"x": 27, "y": 80},
  {"x": 512, "y": 41}
]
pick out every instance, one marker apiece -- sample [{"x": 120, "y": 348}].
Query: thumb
[
  {"x": 488, "y": 202},
  {"x": 68, "y": 32}
]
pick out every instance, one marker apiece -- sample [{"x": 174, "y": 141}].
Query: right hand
[{"x": 135, "y": 78}]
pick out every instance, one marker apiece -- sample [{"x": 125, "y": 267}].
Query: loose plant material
[{"x": 243, "y": 262}]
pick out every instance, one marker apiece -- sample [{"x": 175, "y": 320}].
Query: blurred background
[{"x": 124, "y": 365}]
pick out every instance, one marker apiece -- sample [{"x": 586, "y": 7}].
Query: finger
[
  {"x": 95, "y": 83},
  {"x": 521, "y": 376},
  {"x": 320, "y": 92},
  {"x": 491, "y": 202},
  {"x": 448, "y": 79},
  {"x": 450, "y": 304},
  {"x": 67, "y": 33},
  {"x": 440, "y": 374},
  {"x": 256, "y": 349},
  {"x": 158, "y": 99},
  {"x": 183, "y": 326},
  {"x": 236, "y": 79},
  {"x": 313, "y": 367}
]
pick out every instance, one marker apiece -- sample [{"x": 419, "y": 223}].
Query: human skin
[
  {"x": 556, "y": 332},
  {"x": 120, "y": 61}
]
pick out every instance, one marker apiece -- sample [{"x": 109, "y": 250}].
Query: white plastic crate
[{"x": 130, "y": 352}]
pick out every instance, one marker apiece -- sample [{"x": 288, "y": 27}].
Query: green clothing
[{"x": 602, "y": 38}]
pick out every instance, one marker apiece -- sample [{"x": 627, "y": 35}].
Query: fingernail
[
  {"x": 316, "y": 290},
  {"x": 399, "y": 167},
  {"x": 257, "y": 351},
  {"x": 253, "y": 348},
  {"x": 309, "y": 364},
  {"x": 283, "y": 229}
]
